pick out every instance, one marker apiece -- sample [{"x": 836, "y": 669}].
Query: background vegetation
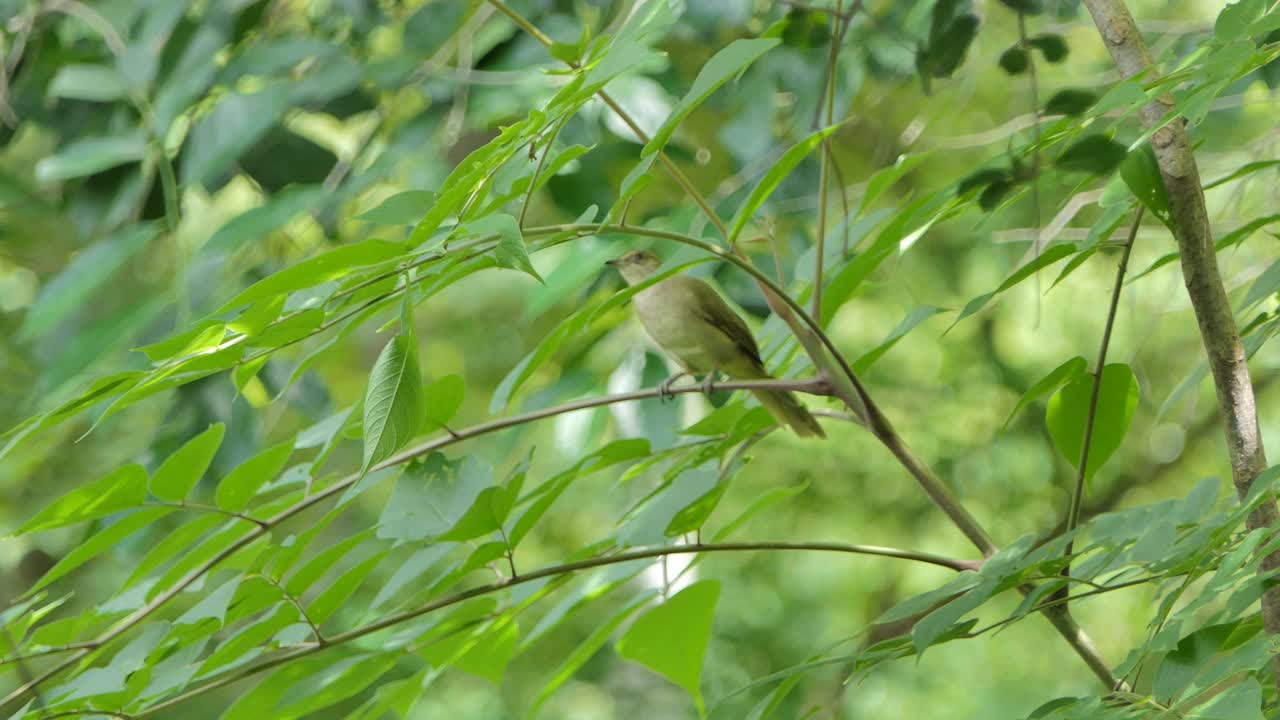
[{"x": 209, "y": 213}]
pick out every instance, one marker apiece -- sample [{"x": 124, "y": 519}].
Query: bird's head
[{"x": 635, "y": 265}]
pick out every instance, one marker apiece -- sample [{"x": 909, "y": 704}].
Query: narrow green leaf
[
  {"x": 1243, "y": 170},
  {"x": 96, "y": 83},
  {"x": 585, "y": 650},
  {"x": 85, "y": 275},
  {"x": 729, "y": 61},
  {"x": 777, "y": 173},
  {"x": 91, "y": 156},
  {"x": 760, "y": 504},
  {"x": 1051, "y": 255},
  {"x": 1059, "y": 376},
  {"x": 406, "y": 208},
  {"x": 671, "y": 639},
  {"x": 255, "y": 224},
  {"x": 101, "y": 542},
  {"x": 395, "y": 405},
  {"x": 239, "y": 486},
  {"x": 324, "y": 267},
  {"x": 909, "y": 323},
  {"x": 123, "y": 488},
  {"x": 343, "y": 587},
  {"x": 1069, "y": 409},
  {"x": 180, "y": 472}
]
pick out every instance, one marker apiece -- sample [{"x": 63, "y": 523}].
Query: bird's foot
[
  {"x": 664, "y": 387},
  {"x": 709, "y": 383}
]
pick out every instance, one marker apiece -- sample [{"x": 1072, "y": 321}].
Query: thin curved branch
[
  {"x": 552, "y": 571},
  {"x": 18, "y": 695}
]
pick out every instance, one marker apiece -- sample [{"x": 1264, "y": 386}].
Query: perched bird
[{"x": 693, "y": 324}]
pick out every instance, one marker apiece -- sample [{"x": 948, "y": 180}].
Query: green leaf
[
  {"x": 781, "y": 168},
  {"x": 935, "y": 626},
  {"x": 203, "y": 336},
  {"x": 395, "y": 404},
  {"x": 805, "y": 29},
  {"x": 218, "y": 139},
  {"x": 1235, "y": 19},
  {"x": 1051, "y": 255},
  {"x": 1052, "y": 46},
  {"x": 949, "y": 39},
  {"x": 1071, "y": 101},
  {"x": 319, "y": 564},
  {"x": 1243, "y": 170},
  {"x": 180, "y": 472},
  {"x": 432, "y": 496},
  {"x": 101, "y": 542},
  {"x": 763, "y": 502},
  {"x": 727, "y": 62},
  {"x": 1095, "y": 154},
  {"x": 343, "y": 587},
  {"x": 909, "y": 323},
  {"x": 490, "y": 509},
  {"x": 289, "y": 329},
  {"x": 1059, "y": 376},
  {"x": 671, "y": 639},
  {"x": 241, "y": 484},
  {"x": 444, "y": 397},
  {"x": 91, "y": 156},
  {"x": 252, "y": 225},
  {"x": 511, "y": 251},
  {"x": 1069, "y": 410},
  {"x": 1014, "y": 61},
  {"x": 585, "y": 650},
  {"x": 406, "y": 208},
  {"x": 82, "y": 278},
  {"x": 1242, "y": 701},
  {"x": 96, "y": 83},
  {"x": 123, "y": 488},
  {"x": 322, "y": 268},
  {"x": 1142, "y": 175},
  {"x": 493, "y": 650}
]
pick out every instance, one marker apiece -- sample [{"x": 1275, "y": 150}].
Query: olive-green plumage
[{"x": 697, "y": 328}]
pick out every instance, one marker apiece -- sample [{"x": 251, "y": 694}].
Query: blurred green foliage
[{"x": 209, "y": 211}]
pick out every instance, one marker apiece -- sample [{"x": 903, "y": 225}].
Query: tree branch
[
  {"x": 556, "y": 571},
  {"x": 1218, "y": 332}
]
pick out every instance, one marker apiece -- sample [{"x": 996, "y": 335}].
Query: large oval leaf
[{"x": 1069, "y": 411}]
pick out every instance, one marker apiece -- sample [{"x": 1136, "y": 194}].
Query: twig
[
  {"x": 1073, "y": 513},
  {"x": 297, "y": 604},
  {"x": 213, "y": 509}
]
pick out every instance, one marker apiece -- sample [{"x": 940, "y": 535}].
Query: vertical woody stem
[{"x": 1218, "y": 332}]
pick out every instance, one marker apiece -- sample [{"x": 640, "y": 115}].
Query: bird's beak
[{"x": 611, "y": 263}]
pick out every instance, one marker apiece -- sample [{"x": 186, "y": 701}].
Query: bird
[{"x": 697, "y": 329}]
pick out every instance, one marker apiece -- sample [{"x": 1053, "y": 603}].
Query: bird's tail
[{"x": 786, "y": 409}]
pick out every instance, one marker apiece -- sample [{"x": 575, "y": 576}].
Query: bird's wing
[{"x": 722, "y": 317}]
